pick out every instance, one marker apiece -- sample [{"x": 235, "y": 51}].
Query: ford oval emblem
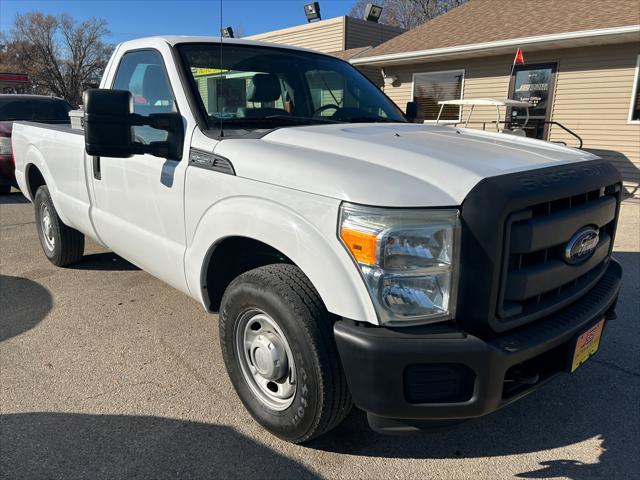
[{"x": 581, "y": 246}]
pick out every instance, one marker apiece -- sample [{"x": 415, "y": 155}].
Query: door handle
[{"x": 96, "y": 168}]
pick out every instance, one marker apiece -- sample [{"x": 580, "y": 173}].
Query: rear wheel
[
  {"x": 61, "y": 244},
  {"x": 277, "y": 341}
]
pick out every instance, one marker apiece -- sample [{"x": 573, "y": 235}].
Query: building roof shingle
[
  {"x": 479, "y": 21},
  {"x": 351, "y": 53}
]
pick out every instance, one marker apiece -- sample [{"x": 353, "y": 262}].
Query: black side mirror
[
  {"x": 107, "y": 127},
  {"x": 412, "y": 111}
]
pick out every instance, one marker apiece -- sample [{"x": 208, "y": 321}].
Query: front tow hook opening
[{"x": 522, "y": 375}]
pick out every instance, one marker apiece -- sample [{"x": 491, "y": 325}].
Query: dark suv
[{"x": 35, "y": 108}]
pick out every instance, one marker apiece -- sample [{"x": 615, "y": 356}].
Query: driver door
[{"x": 139, "y": 201}]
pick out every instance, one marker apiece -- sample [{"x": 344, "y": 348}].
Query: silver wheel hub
[
  {"x": 265, "y": 359},
  {"x": 47, "y": 227},
  {"x": 268, "y": 356}
]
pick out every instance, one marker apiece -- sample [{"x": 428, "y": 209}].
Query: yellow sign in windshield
[{"x": 200, "y": 71}]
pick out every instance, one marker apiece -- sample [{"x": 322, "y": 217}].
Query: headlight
[{"x": 408, "y": 258}]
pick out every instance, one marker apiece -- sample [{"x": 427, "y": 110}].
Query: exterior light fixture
[
  {"x": 312, "y": 11},
  {"x": 372, "y": 12},
  {"x": 227, "y": 32}
]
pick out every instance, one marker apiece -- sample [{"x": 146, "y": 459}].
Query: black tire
[
  {"x": 68, "y": 244},
  {"x": 5, "y": 189},
  {"x": 322, "y": 399}
]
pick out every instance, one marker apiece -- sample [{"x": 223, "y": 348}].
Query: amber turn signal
[{"x": 362, "y": 245}]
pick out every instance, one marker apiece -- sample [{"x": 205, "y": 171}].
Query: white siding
[{"x": 324, "y": 36}]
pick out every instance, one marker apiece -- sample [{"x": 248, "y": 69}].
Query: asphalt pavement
[{"x": 106, "y": 372}]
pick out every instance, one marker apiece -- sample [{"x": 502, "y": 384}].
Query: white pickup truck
[{"x": 424, "y": 273}]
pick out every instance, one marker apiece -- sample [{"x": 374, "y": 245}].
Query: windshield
[
  {"x": 50, "y": 110},
  {"x": 254, "y": 87}
]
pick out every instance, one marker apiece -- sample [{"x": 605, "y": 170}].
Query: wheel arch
[
  {"x": 289, "y": 238},
  {"x": 34, "y": 179},
  {"x": 36, "y": 174},
  {"x": 225, "y": 261}
]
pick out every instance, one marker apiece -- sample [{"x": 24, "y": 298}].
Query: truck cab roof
[{"x": 174, "y": 40}]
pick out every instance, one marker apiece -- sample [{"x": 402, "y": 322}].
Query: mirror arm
[
  {"x": 161, "y": 121},
  {"x": 169, "y": 122}
]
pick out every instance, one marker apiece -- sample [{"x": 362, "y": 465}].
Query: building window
[
  {"x": 634, "y": 111},
  {"x": 430, "y": 88}
]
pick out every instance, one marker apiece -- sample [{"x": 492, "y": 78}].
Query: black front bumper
[{"x": 439, "y": 372}]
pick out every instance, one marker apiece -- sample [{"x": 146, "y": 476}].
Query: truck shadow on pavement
[
  {"x": 566, "y": 412},
  {"x": 107, "y": 261},
  {"x": 68, "y": 445},
  {"x": 23, "y": 304}
]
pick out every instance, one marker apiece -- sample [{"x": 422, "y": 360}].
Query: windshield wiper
[
  {"x": 301, "y": 120},
  {"x": 270, "y": 121},
  {"x": 368, "y": 120}
]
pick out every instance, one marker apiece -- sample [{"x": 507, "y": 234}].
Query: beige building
[
  {"x": 332, "y": 35},
  {"x": 343, "y": 37},
  {"x": 581, "y": 70}
]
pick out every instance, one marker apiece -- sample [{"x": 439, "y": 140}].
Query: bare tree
[
  {"x": 407, "y": 14},
  {"x": 61, "y": 56}
]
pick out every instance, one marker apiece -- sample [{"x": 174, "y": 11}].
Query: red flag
[{"x": 519, "y": 58}]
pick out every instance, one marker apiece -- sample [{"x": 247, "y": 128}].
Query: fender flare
[{"x": 322, "y": 258}]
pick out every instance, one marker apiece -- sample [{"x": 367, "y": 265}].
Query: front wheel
[
  {"x": 277, "y": 342},
  {"x": 61, "y": 244}
]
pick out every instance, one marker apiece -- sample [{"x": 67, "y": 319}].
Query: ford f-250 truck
[{"x": 424, "y": 273}]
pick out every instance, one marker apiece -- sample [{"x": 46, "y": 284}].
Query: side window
[{"x": 144, "y": 75}]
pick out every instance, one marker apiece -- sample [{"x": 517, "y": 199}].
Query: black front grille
[
  {"x": 536, "y": 279},
  {"x": 515, "y": 228}
]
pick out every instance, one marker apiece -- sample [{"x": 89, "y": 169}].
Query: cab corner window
[{"x": 144, "y": 75}]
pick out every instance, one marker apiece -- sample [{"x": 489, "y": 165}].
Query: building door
[{"x": 533, "y": 84}]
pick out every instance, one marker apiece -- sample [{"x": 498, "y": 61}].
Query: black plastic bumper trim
[{"x": 374, "y": 358}]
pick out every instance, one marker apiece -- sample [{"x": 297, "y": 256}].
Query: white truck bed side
[{"x": 63, "y": 170}]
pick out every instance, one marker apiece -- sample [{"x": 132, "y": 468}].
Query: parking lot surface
[{"x": 106, "y": 372}]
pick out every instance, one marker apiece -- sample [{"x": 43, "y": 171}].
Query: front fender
[{"x": 312, "y": 246}]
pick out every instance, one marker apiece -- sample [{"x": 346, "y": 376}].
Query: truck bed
[{"x": 58, "y": 153}]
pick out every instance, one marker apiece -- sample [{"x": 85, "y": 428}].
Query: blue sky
[{"x": 135, "y": 18}]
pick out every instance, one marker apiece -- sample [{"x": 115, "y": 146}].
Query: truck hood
[{"x": 389, "y": 164}]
